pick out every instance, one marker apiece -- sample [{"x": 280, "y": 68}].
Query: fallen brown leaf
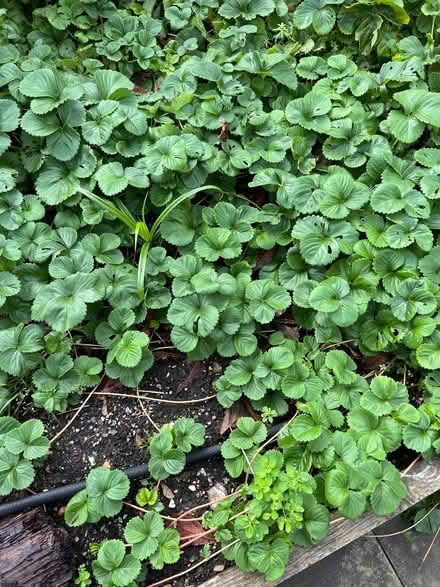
[
  {"x": 371, "y": 363},
  {"x": 189, "y": 530},
  {"x": 139, "y": 440},
  {"x": 290, "y": 331},
  {"x": 194, "y": 373},
  {"x": 111, "y": 385},
  {"x": 104, "y": 410},
  {"x": 165, "y": 355},
  {"x": 167, "y": 491},
  {"x": 264, "y": 258},
  {"x": 216, "y": 493},
  {"x": 231, "y": 415}
]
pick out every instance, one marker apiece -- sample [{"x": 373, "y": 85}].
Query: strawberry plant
[
  {"x": 211, "y": 170},
  {"x": 20, "y": 444}
]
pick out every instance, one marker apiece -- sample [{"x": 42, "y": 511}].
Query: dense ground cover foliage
[{"x": 203, "y": 168}]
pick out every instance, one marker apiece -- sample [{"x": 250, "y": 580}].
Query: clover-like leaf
[
  {"x": 322, "y": 241},
  {"x": 129, "y": 349},
  {"x": 113, "y": 566},
  {"x": 218, "y": 242},
  {"x": 333, "y": 296},
  {"x": 188, "y": 434},
  {"x": 428, "y": 353},
  {"x": 248, "y": 433},
  {"x": 63, "y": 303},
  {"x": 265, "y": 299},
  {"x": 384, "y": 396},
  {"x": 342, "y": 194},
  {"x": 247, "y": 9},
  {"x": 19, "y": 348},
  {"x": 27, "y": 439},
  {"x": 310, "y": 112},
  {"x": 15, "y": 472},
  {"x": 107, "y": 488},
  {"x": 165, "y": 460},
  {"x": 168, "y": 551},
  {"x": 342, "y": 366},
  {"x": 412, "y": 298},
  {"x": 143, "y": 534},
  {"x": 48, "y": 90},
  {"x": 315, "y": 13},
  {"x": 270, "y": 558},
  {"x": 342, "y": 493}
]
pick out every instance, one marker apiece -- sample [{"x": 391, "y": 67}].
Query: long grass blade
[
  {"x": 142, "y": 264},
  {"x": 127, "y": 219},
  {"x": 176, "y": 203}
]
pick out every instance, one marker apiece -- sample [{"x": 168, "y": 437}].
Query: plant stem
[
  {"x": 154, "y": 399},
  {"x": 194, "y": 566},
  {"x": 169, "y": 518},
  {"x": 196, "y": 537},
  {"x": 73, "y": 418},
  {"x": 430, "y": 547},
  {"x": 203, "y": 505},
  {"x": 402, "y": 531}
]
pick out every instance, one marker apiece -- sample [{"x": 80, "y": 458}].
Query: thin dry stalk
[
  {"x": 177, "y": 575},
  {"x": 410, "y": 466},
  {"x": 268, "y": 441},
  {"x": 147, "y": 415},
  {"x": 204, "y": 505},
  {"x": 169, "y": 518},
  {"x": 402, "y": 531},
  {"x": 430, "y": 547},
  {"x": 75, "y": 416},
  {"x": 154, "y": 399}
]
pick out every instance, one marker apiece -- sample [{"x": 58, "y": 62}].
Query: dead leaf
[
  {"x": 290, "y": 331},
  {"x": 231, "y": 415},
  {"x": 168, "y": 493},
  {"x": 104, "y": 410},
  {"x": 189, "y": 530},
  {"x": 224, "y": 131},
  {"x": 371, "y": 363},
  {"x": 194, "y": 373},
  {"x": 216, "y": 493},
  {"x": 139, "y": 90},
  {"x": 139, "y": 440},
  {"x": 111, "y": 385},
  {"x": 264, "y": 258},
  {"x": 165, "y": 355}
]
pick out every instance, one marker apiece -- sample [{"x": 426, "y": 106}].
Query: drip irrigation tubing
[{"x": 65, "y": 492}]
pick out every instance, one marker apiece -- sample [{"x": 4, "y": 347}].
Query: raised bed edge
[{"x": 422, "y": 480}]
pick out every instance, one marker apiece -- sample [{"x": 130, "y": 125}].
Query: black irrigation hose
[{"x": 63, "y": 493}]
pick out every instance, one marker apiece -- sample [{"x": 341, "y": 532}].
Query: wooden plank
[
  {"x": 34, "y": 552},
  {"x": 422, "y": 480}
]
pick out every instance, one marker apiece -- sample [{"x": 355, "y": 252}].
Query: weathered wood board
[
  {"x": 422, "y": 480},
  {"x": 34, "y": 552}
]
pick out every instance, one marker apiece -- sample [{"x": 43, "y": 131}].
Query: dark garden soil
[{"x": 109, "y": 430}]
